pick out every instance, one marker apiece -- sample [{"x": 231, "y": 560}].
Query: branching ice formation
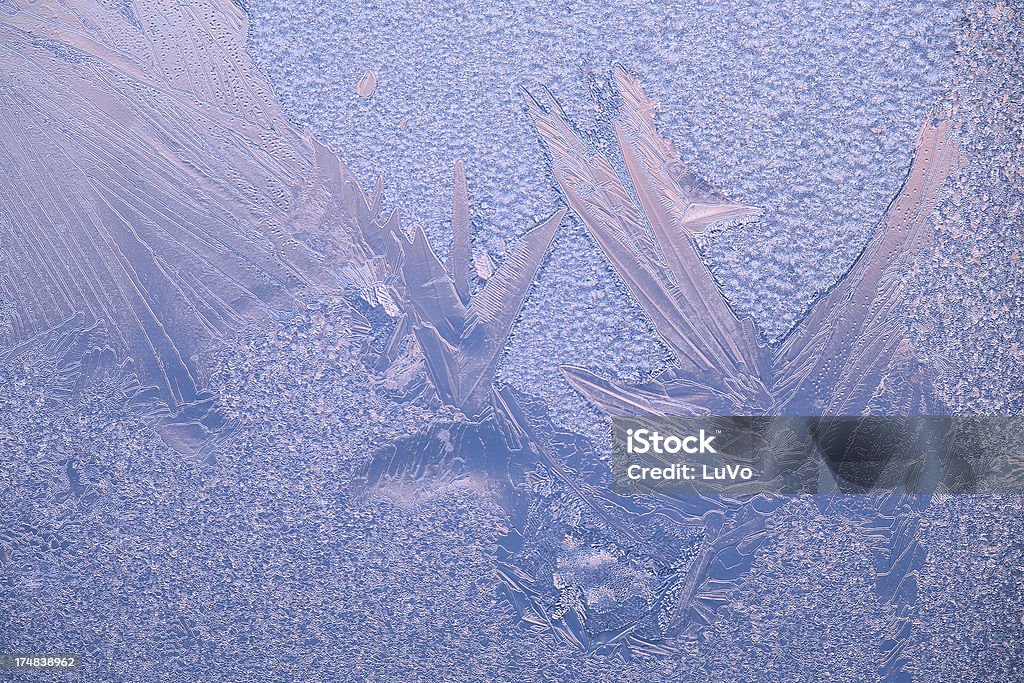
[
  {"x": 835, "y": 361},
  {"x": 461, "y": 335},
  {"x": 157, "y": 202}
]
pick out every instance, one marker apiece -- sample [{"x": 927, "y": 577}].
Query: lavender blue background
[{"x": 281, "y": 550}]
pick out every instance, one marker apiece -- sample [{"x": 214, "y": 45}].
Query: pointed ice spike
[
  {"x": 498, "y": 303},
  {"x": 345, "y": 187},
  {"x": 670, "y": 187},
  {"x": 461, "y": 344},
  {"x": 442, "y": 362},
  {"x": 856, "y": 327},
  {"x": 592, "y": 186},
  {"x": 458, "y": 259},
  {"x": 496, "y": 306},
  {"x": 394, "y": 347},
  {"x": 595, "y": 193},
  {"x": 616, "y": 398},
  {"x": 677, "y": 205}
]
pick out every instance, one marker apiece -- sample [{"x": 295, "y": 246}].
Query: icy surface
[
  {"x": 808, "y": 111},
  {"x": 969, "y": 306},
  {"x": 838, "y": 360},
  {"x": 247, "y": 418}
]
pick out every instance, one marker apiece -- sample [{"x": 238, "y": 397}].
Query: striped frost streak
[{"x": 838, "y": 356}]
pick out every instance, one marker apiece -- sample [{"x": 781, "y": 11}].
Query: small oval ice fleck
[
  {"x": 484, "y": 265},
  {"x": 367, "y": 85}
]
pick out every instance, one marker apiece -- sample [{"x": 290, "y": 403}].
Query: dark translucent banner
[{"x": 802, "y": 455}]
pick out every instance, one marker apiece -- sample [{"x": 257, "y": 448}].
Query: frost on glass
[
  {"x": 254, "y": 426},
  {"x": 850, "y": 355},
  {"x": 835, "y": 361}
]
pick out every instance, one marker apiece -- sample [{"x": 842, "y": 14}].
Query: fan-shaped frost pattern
[{"x": 154, "y": 186}]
